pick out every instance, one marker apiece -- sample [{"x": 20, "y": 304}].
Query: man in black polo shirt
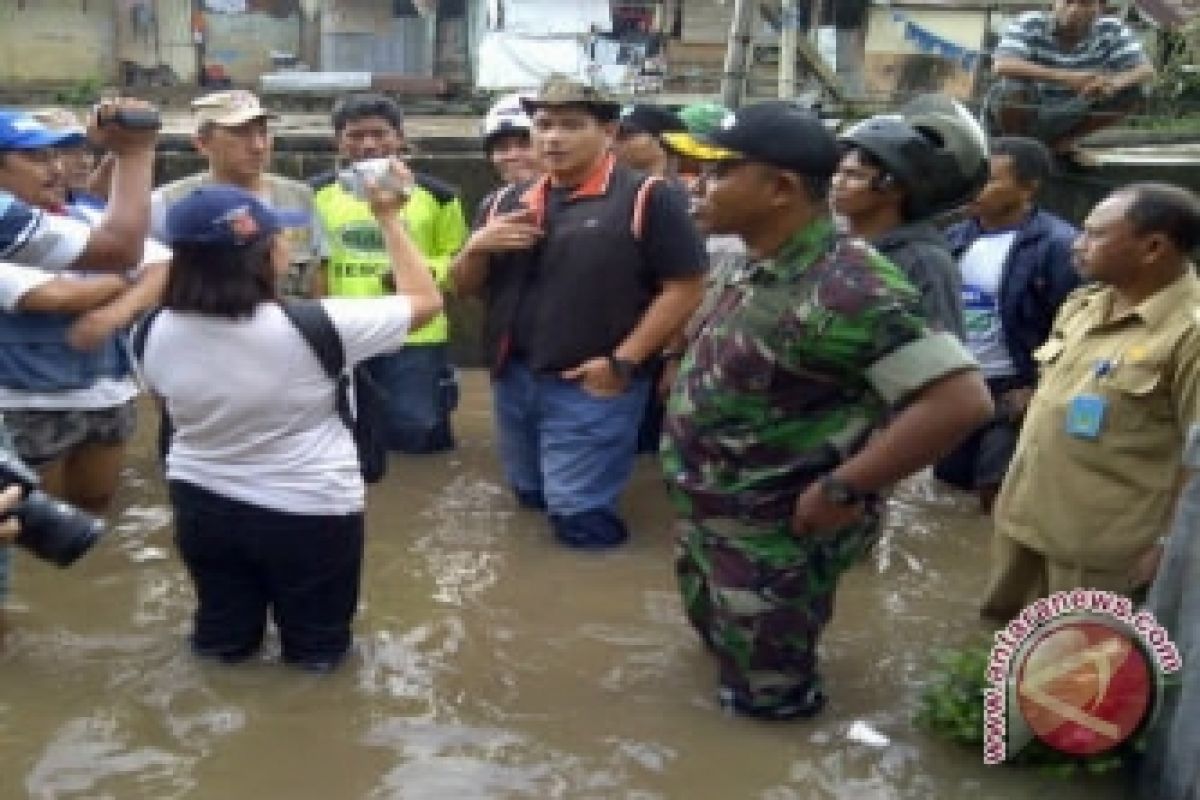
[{"x": 585, "y": 273}]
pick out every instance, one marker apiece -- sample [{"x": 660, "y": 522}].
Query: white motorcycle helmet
[{"x": 504, "y": 117}]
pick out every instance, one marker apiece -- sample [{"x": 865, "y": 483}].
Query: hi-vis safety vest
[{"x": 358, "y": 259}]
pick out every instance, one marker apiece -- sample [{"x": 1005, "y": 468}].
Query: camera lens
[{"x": 55, "y": 531}]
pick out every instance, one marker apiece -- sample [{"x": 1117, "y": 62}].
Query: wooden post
[
  {"x": 789, "y": 32},
  {"x": 733, "y": 80}
]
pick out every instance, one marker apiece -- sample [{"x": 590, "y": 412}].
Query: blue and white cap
[
  {"x": 20, "y": 130},
  {"x": 226, "y": 215}
]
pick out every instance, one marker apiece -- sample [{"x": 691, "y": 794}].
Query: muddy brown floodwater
[{"x": 489, "y": 663}]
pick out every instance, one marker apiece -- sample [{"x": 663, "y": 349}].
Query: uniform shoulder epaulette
[
  {"x": 442, "y": 192},
  {"x": 289, "y": 183},
  {"x": 176, "y": 189},
  {"x": 319, "y": 182},
  {"x": 1079, "y": 298}
]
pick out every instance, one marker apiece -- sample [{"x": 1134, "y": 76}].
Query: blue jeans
[
  {"x": 568, "y": 450},
  {"x": 422, "y": 391}
]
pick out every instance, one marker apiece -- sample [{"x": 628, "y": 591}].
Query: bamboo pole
[
  {"x": 733, "y": 79},
  {"x": 789, "y": 31}
]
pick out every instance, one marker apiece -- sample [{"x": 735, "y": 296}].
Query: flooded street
[{"x": 489, "y": 663}]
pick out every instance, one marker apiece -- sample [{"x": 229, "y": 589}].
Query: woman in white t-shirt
[{"x": 263, "y": 474}]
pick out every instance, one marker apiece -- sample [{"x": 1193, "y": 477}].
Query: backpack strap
[
  {"x": 638, "y": 223},
  {"x": 312, "y": 322},
  {"x": 137, "y": 343},
  {"x": 142, "y": 332},
  {"x": 497, "y": 198}
]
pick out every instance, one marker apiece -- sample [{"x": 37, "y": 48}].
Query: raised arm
[
  {"x": 411, "y": 273},
  {"x": 92, "y": 328},
  {"x": 514, "y": 230},
  {"x": 68, "y": 295},
  {"x": 117, "y": 241}
]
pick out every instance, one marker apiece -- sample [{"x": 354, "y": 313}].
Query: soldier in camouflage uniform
[{"x": 814, "y": 341}]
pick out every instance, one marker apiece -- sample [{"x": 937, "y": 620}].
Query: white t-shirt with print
[
  {"x": 254, "y": 411},
  {"x": 982, "y": 266}
]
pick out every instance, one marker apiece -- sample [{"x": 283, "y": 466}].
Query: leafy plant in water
[{"x": 951, "y": 707}]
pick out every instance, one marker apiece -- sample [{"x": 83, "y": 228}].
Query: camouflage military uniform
[{"x": 785, "y": 377}]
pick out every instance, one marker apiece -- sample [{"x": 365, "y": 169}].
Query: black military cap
[
  {"x": 774, "y": 132},
  {"x": 654, "y": 120}
]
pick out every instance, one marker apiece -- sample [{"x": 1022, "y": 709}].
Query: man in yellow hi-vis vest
[{"x": 419, "y": 379}]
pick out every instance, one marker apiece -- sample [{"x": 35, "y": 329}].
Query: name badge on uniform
[{"x": 1085, "y": 416}]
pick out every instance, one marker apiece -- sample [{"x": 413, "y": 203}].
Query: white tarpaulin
[
  {"x": 509, "y": 61},
  {"x": 552, "y": 17}
]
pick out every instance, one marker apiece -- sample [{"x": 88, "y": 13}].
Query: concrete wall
[
  {"x": 242, "y": 43},
  {"x": 62, "y": 40},
  {"x": 364, "y": 36},
  {"x": 893, "y": 63},
  {"x": 168, "y": 44}
]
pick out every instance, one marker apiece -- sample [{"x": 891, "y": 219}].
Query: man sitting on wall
[{"x": 1065, "y": 73}]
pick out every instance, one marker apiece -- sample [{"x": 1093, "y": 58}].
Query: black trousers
[{"x": 246, "y": 560}]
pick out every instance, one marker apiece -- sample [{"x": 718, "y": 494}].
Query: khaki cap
[
  {"x": 565, "y": 90},
  {"x": 229, "y": 108}
]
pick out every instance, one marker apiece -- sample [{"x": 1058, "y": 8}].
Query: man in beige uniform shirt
[
  {"x": 1094, "y": 481},
  {"x": 233, "y": 134}
]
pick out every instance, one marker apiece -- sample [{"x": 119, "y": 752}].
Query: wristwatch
[
  {"x": 839, "y": 492},
  {"x": 623, "y": 368}
]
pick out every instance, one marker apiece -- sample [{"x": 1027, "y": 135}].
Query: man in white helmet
[{"x": 506, "y": 141}]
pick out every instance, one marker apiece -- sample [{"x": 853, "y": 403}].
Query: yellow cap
[{"x": 685, "y": 144}]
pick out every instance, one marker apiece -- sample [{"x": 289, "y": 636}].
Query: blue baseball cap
[
  {"x": 226, "y": 215},
  {"x": 22, "y": 131}
]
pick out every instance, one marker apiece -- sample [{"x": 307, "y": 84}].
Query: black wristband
[
  {"x": 622, "y": 368},
  {"x": 671, "y": 355}
]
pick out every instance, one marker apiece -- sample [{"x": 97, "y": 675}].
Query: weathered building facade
[{"x": 163, "y": 42}]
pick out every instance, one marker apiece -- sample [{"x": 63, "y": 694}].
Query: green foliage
[
  {"x": 1178, "y": 75},
  {"x": 951, "y": 707},
  {"x": 83, "y": 92},
  {"x": 952, "y": 703}
]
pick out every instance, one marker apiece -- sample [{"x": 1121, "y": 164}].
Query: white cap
[{"x": 505, "y": 115}]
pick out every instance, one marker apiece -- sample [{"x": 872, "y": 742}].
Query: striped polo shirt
[{"x": 1110, "y": 46}]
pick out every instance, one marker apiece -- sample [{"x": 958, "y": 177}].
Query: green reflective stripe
[
  {"x": 358, "y": 259},
  {"x": 915, "y": 365}
]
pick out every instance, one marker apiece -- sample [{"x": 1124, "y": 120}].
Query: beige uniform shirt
[
  {"x": 1100, "y": 502},
  {"x": 306, "y": 245}
]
